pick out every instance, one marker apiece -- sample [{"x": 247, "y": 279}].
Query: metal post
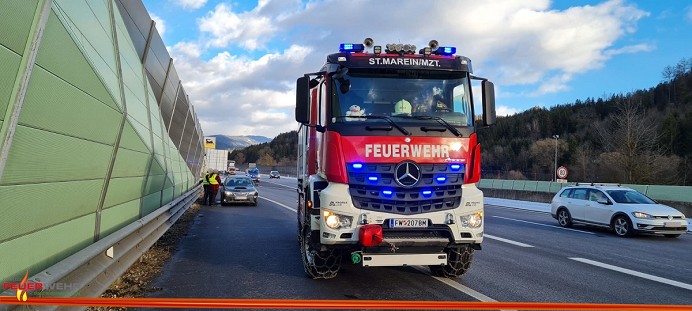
[{"x": 555, "y": 168}]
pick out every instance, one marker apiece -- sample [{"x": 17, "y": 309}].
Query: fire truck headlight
[
  {"x": 336, "y": 221},
  {"x": 472, "y": 221}
]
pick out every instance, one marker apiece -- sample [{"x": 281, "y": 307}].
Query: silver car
[
  {"x": 239, "y": 189},
  {"x": 624, "y": 210}
]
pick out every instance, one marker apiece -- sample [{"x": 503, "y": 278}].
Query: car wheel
[
  {"x": 622, "y": 226},
  {"x": 672, "y": 236},
  {"x": 564, "y": 218}
]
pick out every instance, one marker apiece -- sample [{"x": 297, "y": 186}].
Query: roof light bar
[
  {"x": 447, "y": 50},
  {"x": 351, "y": 47}
]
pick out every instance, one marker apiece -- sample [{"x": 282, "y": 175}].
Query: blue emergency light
[
  {"x": 427, "y": 193},
  {"x": 447, "y": 50},
  {"x": 387, "y": 192},
  {"x": 441, "y": 179},
  {"x": 455, "y": 167},
  {"x": 372, "y": 178},
  {"x": 351, "y": 47},
  {"x": 357, "y": 166}
]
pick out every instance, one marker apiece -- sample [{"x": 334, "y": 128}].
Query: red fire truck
[{"x": 388, "y": 159}]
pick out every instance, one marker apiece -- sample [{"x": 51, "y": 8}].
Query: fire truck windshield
[{"x": 402, "y": 100}]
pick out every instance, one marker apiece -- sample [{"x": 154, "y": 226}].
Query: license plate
[
  {"x": 672, "y": 224},
  {"x": 240, "y": 197},
  {"x": 408, "y": 223}
]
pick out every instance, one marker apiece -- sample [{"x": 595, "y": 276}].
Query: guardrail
[
  {"x": 89, "y": 272},
  {"x": 656, "y": 192}
]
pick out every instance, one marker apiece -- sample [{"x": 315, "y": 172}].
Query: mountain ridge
[{"x": 237, "y": 141}]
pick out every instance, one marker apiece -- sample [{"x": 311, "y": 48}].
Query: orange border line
[{"x": 216, "y": 303}]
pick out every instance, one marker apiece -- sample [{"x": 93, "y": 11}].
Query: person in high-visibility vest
[
  {"x": 205, "y": 184},
  {"x": 214, "y": 185}
]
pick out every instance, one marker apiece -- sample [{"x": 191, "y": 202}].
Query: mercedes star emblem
[{"x": 407, "y": 174}]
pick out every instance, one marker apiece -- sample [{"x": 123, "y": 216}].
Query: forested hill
[
  {"x": 641, "y": 137},
  {"x": 280, "y": 151}
]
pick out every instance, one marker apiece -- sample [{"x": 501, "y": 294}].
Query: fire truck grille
[{"x": 373, "y": 187}]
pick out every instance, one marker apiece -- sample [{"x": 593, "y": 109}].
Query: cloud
[
  {"x": 190, "y": 4},
  {"x": 249, "y": 29},
  {"x": 503, "y": 111},
  {"x": 247, "y": 61},
  {"x": 239, "y": 95},
  {"x": 644, "y": 47},
  {"x": 160, "y": 24}
]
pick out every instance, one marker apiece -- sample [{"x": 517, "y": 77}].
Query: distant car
[
  {"x": 239, "y": 189},
  {"x": 274, "y": 174},
  {"x": 624, "y": 210},
  {"x": 254, "y": 175}
]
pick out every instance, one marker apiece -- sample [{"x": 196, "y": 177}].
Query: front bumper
[
  {"x": 661, "y": 226},
  {"x": 444, "y": 227},
  {"x": 234, "y": 198}
]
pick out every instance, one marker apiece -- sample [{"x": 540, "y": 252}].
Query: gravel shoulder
[{"x": 134, "y": 282}]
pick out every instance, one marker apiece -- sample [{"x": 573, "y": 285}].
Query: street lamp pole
[{"x": 555, "y": 168}]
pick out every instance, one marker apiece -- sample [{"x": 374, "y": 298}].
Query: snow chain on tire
[
  {"x": 458, "y": 262},
  {"x": 322, "y": 264}
]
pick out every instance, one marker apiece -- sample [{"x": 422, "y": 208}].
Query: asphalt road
[{"x": 253, "y": 252}]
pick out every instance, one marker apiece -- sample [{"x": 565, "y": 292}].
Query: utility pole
[{"x": 555, "y": 168}]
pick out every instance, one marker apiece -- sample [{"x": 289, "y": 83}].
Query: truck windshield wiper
[
  {"x": 438, "y": 119},
  {"x": 386, "y": 118}
]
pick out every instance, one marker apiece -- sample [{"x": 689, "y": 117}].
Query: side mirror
[
  {"x": 303, "y": 100},
  {"x": 603, "y": 201},
  {"x": 488, "y": 89}
]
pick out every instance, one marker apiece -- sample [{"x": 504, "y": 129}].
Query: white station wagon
[{"x": 622, "y": 209}]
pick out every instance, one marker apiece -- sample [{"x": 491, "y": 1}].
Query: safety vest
[
  {"x": 212, "y": 179},
  {"x": 205, "y": 180}
]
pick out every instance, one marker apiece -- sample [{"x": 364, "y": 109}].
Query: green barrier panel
[
  {"x": 519, "y": 185},
  {"x": 657, "y": 192},
  {"x": 671, "y": 193},
  {"x": 543, "y": 186}
]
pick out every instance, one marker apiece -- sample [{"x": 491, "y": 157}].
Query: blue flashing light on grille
[
  {"x": 350, "y": 47},
  {"x": 372, "y": 178},
  {"x": 447, "y": 50},
  {"x": 387, "y": 192},
  {"x": 455, "y": 167},
  {"x": 426, "y": 193},
  {"x": 357, "y": 165},
  {"x": 441, "y": 179}
]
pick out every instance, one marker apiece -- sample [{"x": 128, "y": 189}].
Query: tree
[
  {"x": 543, "y": 153},
  {"x": 265, "y": 157},
  {"x": 239, "y": 158},
  {"x": 632, "y": 135},
  {"x": 668, "y": 74}
]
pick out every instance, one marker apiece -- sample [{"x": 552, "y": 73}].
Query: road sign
[
  {"x": 562, "y": 172},
  {"x": 562, "y": 181}
]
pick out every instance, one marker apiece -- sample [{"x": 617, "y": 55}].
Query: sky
[{"x": 239, "y": 60}]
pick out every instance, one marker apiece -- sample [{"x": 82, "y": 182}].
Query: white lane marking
[
  {"x": 634, "y": 273},
  {"x": 462, "y": 288},
  {"x": 539, "y": 224},
  {"x": 280, "y": 204},
  {"x": 506, "y": 240},
  {"x": 294, "y": 188}
]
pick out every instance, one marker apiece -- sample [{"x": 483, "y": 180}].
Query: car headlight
[
  {"x": 472, "y": 221},
  {"x": 336, "y": 221},
  {"x": 641, "y": 215},
  {"x": 228, "y": 193}
]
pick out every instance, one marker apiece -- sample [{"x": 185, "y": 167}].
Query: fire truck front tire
[
  {"x": 319, "y": 262},
  {"x": 458, "y": 262}
]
